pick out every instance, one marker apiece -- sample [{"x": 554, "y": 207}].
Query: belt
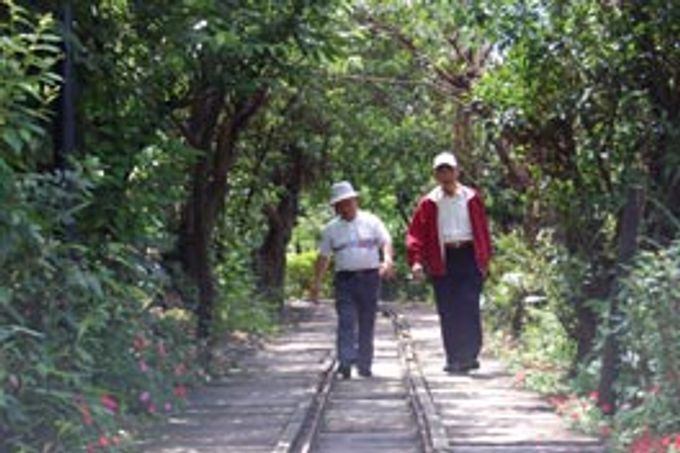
[
  {"x": 357, "y": 272},
  {"x": 458, "y": 244}
]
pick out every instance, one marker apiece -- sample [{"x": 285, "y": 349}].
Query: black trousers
[
  {"x": 457, "y": 296},
  {"x": 356, "y": 303}
]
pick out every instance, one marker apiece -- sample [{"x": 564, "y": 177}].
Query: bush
[
  {"x": 29, "y": 50},
  {"x": 83, "y": 349},
  {"x": 239, "y": 307},
  {"x": 649, "y": 381},
  {"x": 530, "y": 278},
  {"x": 300, "y": 275}
]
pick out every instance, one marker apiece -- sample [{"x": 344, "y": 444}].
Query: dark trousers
[
  {"x": 457, "y": 296},
  {"x": 356, "y": 302}
]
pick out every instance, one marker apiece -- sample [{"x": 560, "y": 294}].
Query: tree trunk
[
  {"x": 271, "y": 256},
  {"x": 629, "y": 224},
  {"x": 217, "y": 141}
]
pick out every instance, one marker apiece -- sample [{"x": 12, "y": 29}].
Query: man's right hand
[
  {"x": 314, "y": 293},
  {"x": 418, "y": 272}
]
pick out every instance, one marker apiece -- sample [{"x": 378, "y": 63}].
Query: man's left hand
[{"x": 386, "y": 269}]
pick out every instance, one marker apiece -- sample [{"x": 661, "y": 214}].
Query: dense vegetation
[{"x": 164, "y": 169}]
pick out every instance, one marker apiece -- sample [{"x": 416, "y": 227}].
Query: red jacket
[{"x": 422, "y": 237}]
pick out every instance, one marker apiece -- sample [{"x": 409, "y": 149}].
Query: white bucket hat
[
  {"x": 445, "y": 158},
  {"x": 341, "y": 191}
]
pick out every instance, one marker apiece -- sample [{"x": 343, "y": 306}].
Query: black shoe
[
  {"x": 471, "y": 365},
  {"x": 455, "y": 368},
  {"x": 345, "y": 371},
  {"x": 364, "y": 372}
]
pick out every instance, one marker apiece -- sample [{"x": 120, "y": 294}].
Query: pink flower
[
  {"x": 606, "y": 408},
  {"x": 103, "y": 441},
  {"x": 168, "y": 407},
  {"x": 152, "y": 408},
  {"x": 144, "y": 397},
  {"x": 594, "y": 396},
  {"x": 90, "y": 448},
  {"x": 110, "y": 403},
  {"x": 143, "y": 367}
]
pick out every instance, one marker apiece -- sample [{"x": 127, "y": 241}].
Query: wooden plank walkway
[
  {"x": 261, "y": 404},
  {"x": 482, "y": 411},
  {"x": 263, "y": 407}
]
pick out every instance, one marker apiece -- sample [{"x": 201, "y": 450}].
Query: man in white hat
[
  {"x": 356, "y": 239},
  {"x": 448, "y": 239}
]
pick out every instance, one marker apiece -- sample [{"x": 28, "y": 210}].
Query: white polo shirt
[{"x": 355, "y": 244}]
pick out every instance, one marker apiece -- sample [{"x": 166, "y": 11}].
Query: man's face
[
  {"x": 445, "y": 174},
  {"x": 347, "y": 209}
]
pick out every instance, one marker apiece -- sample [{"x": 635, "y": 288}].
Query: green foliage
[
  {"x": 77, "y": 324},
  {"x": 28, "y": 54},
  {"x": 300, "y": 273},
  {"x": 650, "y": 377},
  {"x": 239, "y": 307},
  {"x": 581, "y": 96},
  {"x": 538, "y": 274},
  {"x": 525, "y": 291}
]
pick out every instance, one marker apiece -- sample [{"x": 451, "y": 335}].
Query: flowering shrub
[
  {"x": 648, "y": 414},
  {"x": 80, "y": 339}
]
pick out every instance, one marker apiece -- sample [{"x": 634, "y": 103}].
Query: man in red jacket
[{"x": 448, "y": 239}]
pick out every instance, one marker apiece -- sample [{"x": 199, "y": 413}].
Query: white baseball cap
[
  {"x": 445, "y": 158},
  {"x": 342, "y": 191}
]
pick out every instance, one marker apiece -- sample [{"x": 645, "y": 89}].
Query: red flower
[
  {"x": 605, "y": 431},
  {"x": 645, "y": 443},
  {"x": 180, "y": 369},
  {"x": 139, "y": 343},
  {"x": 85, "y": 413},
  {"x": 110, "y": 403},
  {"x": 520, "y": 379},
  {"x": 606, "y": 408},
  {"x": 180, "y": 391}
]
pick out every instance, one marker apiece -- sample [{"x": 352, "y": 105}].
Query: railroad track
[
  {"x": 287, "y": 399},
  {"x": 391, "y": 411}
]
